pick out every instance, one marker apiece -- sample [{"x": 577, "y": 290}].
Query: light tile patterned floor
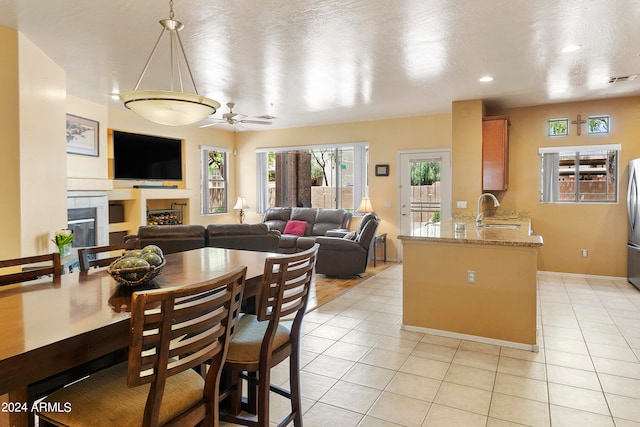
[{"x": 360, "y": 369}]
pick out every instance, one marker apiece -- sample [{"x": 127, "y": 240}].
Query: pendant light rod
[{"x": 146, "y": 66}]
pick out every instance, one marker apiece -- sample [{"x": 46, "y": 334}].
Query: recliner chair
[{"x": 343, "y": 257}]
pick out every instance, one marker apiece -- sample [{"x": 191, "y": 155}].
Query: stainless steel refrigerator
[{"x": 633, "y": 211}]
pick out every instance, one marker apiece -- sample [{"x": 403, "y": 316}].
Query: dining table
[{"x": 53, "y": 325}]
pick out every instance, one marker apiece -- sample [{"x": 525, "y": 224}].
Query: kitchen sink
[{"x": 503, "y": 226}]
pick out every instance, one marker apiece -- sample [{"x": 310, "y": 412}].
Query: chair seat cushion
[
  {"x": 104, "y": 399},
  {"x": 247, "y": 339}
]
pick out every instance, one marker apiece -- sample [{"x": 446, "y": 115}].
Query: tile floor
[{"x": 360, "y": 369}]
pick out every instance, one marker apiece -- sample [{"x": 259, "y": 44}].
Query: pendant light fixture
[{"x": 169, "y": 107}]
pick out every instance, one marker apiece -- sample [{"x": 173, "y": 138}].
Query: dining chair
[
  {"x": 90, "y": 257},
  {"x": 261, "y": 342},
  {"x": 33, "y": 268},
  {"x": 173, "y": 332}
]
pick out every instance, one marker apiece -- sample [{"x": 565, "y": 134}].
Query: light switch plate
[{"x": 461, "y": 204}]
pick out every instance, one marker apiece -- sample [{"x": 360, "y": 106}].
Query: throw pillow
[{"x": 295, "y": 227}]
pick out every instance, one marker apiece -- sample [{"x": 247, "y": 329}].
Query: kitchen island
[{"x": 470, "y": 282}]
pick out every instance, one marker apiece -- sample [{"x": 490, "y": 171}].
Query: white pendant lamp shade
[{"x": 169, "y": 108}]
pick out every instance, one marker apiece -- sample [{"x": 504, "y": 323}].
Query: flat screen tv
[{"x": 146, "y": 157}]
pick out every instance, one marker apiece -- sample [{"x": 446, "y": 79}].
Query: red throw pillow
[{"x": 295, "y": 227}]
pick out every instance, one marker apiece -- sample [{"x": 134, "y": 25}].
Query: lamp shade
[
  {"x": 168, "y": 107},
  {"x": 365, "y": 205},
  {"x": 241, "y": 203}
]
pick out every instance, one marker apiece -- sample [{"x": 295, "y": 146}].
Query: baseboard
[
  {"x": 484, "y": 340},
  {"x": 580, "y": 275}
]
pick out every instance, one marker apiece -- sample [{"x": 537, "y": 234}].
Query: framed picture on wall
[
  {"x": 382, "y": 170},
  {"x": 82, "y": 136}
]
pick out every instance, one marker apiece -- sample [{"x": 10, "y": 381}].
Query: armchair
[{"x": 341, "y": 256}]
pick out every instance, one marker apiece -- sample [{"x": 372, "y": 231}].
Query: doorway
[{"x": 425, "y": 189}]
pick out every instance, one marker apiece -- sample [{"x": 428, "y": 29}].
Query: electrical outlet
[
  {"x": 471, "y": 276},
  {"x": 461, "y": 204},
  {"x": 585, "y": 253}
]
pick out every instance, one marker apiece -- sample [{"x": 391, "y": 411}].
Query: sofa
[
  {"x": 253, "y": 237},
  {"x": 347, "y": 256},
  {"x": 170, "y": 238},
  {"x": 299, "y": 227},
  {"x": 178, "y": 238}
]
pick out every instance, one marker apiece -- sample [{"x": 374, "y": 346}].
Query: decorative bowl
[{"x": 135, "y": 276}]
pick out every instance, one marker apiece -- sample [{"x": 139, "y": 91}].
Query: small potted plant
[{"x": 63, "y": 240}]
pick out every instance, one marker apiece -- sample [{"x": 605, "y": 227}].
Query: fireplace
[
  {"x": 88, "y": 217},
  {"x": 82, "y": 222}
]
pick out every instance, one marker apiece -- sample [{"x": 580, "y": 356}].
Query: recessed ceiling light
[
  {"x": 570, "y": 48},
  {"x": 559, "y": 90},
  {"x": 115, "y": 95},
  {"x": 486, "y": 79}
]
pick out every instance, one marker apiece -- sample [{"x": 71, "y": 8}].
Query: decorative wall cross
[{"x": 579, "y": 123}]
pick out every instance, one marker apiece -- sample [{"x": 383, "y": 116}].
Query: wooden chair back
[
  {"x": 286, "y": 284},
  {"x": 284, "y": 293},
  {"x": 176, "y": 329},
  {"x": 91, "y": 257},
  {"x": 34, "y": 267}
]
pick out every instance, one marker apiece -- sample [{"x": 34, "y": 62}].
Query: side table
[{"x": 379, "y": 239}]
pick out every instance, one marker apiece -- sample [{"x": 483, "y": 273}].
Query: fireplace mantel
[{"x": 89, "y": 184}]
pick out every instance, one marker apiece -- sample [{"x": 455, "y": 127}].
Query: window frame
[
  {"x": 205, "y": 179},
  {"x": 550, "y": 178},
  {"x": 360, "y": 158}
]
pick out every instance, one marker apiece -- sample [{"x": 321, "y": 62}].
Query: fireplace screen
[{"x": 82, "y": 222}]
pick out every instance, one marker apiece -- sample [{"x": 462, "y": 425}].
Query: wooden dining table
[{"x": 53, "y": 325}]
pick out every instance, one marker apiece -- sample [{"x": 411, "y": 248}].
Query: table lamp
[
  {"x": 365, "y": 206},
  {"x": 241, "y": 204}
]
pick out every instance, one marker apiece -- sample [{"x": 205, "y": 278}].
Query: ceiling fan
[{"x": 234, "y": 119}]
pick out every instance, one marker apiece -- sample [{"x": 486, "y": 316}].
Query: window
[
  {"x": 558, "y": 127},
  {"x": 214, "y": 180},
  {"x": 579, "y": 174},
  {"x": 598, "y": 124},
  {"x": 330, "y": 176}
]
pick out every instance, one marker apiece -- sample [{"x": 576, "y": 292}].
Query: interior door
[{"x": 425, "y": 188}]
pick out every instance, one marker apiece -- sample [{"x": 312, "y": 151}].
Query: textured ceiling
[{"x": 331, "y": 61}]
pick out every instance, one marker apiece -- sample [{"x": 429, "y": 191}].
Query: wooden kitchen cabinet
[{"x": 495, "y": 153}]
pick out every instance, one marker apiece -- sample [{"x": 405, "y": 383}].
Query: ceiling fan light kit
[{"x": 169, "y": 107}]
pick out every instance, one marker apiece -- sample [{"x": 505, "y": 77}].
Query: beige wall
[
  {"x": 89, "y": 167},
  {"x": 9, "y": 144},
  {"x": 43, "y": 205},
  {"x": 466, "y": 154},
  {"x": 568, "y": 228},
  {"x": 33, "y": 172},
  {"x": 385, "y": 138}
]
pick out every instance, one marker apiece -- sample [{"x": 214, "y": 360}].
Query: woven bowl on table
[{"x": 135, "y": 276}]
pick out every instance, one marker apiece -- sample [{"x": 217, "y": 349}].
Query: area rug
[{"x": 325, "y": 289}]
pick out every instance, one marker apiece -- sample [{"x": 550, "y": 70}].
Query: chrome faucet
[{"x": 496, "y": 203}]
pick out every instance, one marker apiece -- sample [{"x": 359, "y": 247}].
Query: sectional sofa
[
  {"x": 299, "y": 227},
  {"x": 177, "y": 238}
]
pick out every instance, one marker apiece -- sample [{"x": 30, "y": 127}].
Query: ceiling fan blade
[
  {"x": 254, "y": 122},
  {"x": 206, "y": 125},
  {"x": 266, "y": 117}
]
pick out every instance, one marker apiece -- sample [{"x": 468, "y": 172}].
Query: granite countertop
[{"x": 502, "y": 230}]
